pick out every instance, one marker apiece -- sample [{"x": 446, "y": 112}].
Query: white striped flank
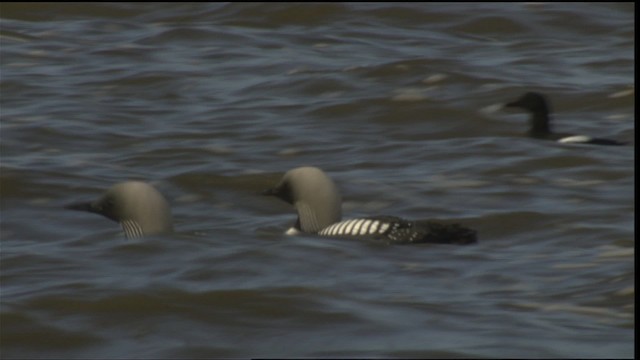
[
  {"x": 340, "y": 229},
  {"x": 132, "y": 229},
  {"x": 374, "y": 227},
  {"x": 575, "y": 139},
  {"x": 365, "y": 226},
  {"x": 355, "y": 227},
  {"x": 328, "y": 231},
  {"x": 351, "y": 226},
  {"x": 334, "y": 229}
]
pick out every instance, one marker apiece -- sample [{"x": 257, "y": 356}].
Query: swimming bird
[
  {"x": 537, "y": 105},
  {"x": 139, "y": 208},
  {"x": 319, "y": 206}
]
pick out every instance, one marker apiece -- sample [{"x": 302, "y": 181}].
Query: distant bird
[
  {"x": 139, "y": 208},
  {"x": 318, "y": 203},
  {"x": 540, "y": 120}
]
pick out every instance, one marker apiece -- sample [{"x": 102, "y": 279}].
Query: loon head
[
  {"x": 314, "y": 195},
  {"x": 537, "y": 105},
  {"x": 138, "y": 207}
]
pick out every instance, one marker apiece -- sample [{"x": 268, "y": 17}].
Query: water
[{"x": 398, "y": 103}]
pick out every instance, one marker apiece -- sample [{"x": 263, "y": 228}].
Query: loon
[
  {"x": 318, "y": 203},
  {"x": 538, "y": 106},
  {"x": 139, "y": 208}
]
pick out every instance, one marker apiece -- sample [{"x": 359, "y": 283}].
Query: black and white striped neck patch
[{"x": 132, "y": 229}]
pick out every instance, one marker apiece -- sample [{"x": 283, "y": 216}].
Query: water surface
[{"x": 399, "y": 103}]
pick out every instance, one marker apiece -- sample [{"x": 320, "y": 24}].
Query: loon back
[
  {"x": 395, "y": 230},
  {"x": 317, "y": 202}
]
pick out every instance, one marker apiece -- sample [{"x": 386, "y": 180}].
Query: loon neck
[{"x": 540, "y": 126}]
